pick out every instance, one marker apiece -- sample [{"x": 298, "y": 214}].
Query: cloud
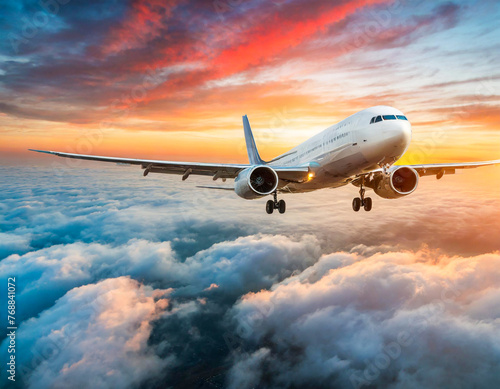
[
  {"x": 105, "y": 65},
  {"x": 91, "y": 224},
  {"x": 247, "y": 372},
  {"x": 43, "y": 114},
  {"x": 318, "y": 60},
  {"x": 480, "y": 116},
  {"x": 121, "y": 206},
  {"x": 95, "y": 336},
  {"x": 399, "y": 319},
  {"x": 295, "y": 26},
  {"x": 12, "y": 243},
  {"x": 143, "y": 23},
  {"x": 235, "y": 267},
  {"x": 46, "y": 275},
  {"x": 151, "y": 282}
]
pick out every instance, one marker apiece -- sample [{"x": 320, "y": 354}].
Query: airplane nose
[
  {"x": 390, "y": 143},
  {"x": 397, "y": 137},
  {"x": 405, "y": 133},
  {"x": 399, "y": 133}
]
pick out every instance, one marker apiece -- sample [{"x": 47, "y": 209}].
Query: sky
[
  {"x": 171, "y": 79},
  {"x": 125, "y": 281}
]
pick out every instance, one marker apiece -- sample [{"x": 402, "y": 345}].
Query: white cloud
[
  {"x": 236, "y": 267},
  {"x": 11, "y": 243},
  {"x": 338, "y": 322},
  {"x": 96, "y": 336}
]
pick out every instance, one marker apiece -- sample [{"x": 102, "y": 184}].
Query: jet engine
[
  {"x": 400, "y": 182},
  {"x": 255, "y": 182}
]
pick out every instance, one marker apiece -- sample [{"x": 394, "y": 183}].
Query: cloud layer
[
  {"x": 389, "y": 320},
  {"x": 203, "y": 289}
]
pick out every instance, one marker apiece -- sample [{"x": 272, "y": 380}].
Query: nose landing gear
[
  {"x": 361, "y": 201},
  {"x": 271, "y": 205}
]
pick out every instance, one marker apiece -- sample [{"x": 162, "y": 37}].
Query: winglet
[
  {"x": 41, "y": 151},
  {"x": 253, "y": 154}
]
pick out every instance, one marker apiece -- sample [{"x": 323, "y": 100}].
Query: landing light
[{"x": 310, "y": 176}]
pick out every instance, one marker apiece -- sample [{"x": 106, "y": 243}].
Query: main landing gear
[
  {"x": 271, "y": 205},
  {"x": 361, "y": 201}
]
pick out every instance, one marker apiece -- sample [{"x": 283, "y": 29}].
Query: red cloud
[
  {"x": 144, "y": 22},
  {"x": 275, "y": 34}
]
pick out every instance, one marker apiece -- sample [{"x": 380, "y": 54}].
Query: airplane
[{"x": 361, "y": 150}]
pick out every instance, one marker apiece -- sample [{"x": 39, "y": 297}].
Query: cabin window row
[{"x": 379, "y": 118}]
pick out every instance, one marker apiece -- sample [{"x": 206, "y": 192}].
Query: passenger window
[
  {"x": 389, "y": 117},
  {"x": 378, "y": 119},
  {"x": 401, "y": 117}
]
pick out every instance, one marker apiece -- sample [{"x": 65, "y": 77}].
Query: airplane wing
[
  {"x": 436, "y": 169},
  {"x": 289, "y": 174},
  {"x": 439, "y": 169}
]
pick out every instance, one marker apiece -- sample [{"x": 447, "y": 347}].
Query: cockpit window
[{"x": 377, "y": 119}]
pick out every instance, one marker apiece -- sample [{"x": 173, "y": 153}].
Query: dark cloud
[{"x": 43, "y": 114}]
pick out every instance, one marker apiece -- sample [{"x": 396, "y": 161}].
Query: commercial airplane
[{"x": 360, "y": 150}]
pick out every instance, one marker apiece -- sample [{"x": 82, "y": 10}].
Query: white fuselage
[{"x": 351, "y": 147}]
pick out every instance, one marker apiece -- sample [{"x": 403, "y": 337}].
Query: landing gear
[
  {"x": 368, "y": 204},
  {"x": 282, "y": 206},
  {"x": 271, "y": 205},
  {"x": 361, "y": 201}
]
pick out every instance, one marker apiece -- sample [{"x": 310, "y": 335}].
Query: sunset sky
[{"x": 171, "y": 79}]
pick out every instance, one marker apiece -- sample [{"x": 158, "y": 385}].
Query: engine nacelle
[
  {"x": 400, "y": 182},
  {"x": 255, "y": 182}
]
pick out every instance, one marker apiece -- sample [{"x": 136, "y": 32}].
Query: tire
[
  {"x": 270, "y": 207},
  {"x": 368, "y": 204},
  {"x": 282, "y": 206},
  {"x": 356, "y": 204}
]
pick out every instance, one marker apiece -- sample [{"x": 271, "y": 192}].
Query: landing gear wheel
[
  {"x": 368, "y": 204},
  {"x": 270, "y": 207},
  {"x": 282, "y": 206},
  {"x": 361, "y": 201},
  {"x": 356, "y": 204}
]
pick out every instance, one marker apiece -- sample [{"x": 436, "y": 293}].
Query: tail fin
[{"x": 253, "y": 154}]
